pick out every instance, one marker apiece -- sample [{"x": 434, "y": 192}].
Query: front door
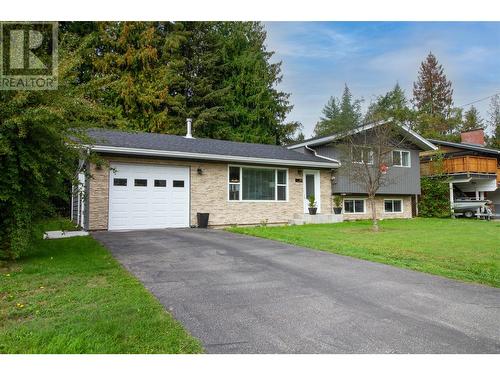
[{"x": 311, "y": 188}]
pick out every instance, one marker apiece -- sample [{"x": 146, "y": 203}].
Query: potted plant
[
  {"x": 312, "y": 205},
  {"x": 337, "y": 201}
]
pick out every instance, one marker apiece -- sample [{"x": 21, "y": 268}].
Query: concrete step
[{"x": 299, "y": 219}]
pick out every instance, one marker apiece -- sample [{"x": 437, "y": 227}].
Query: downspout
[{"x": 322, "y": 157}]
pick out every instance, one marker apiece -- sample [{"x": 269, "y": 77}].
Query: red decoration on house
[{"x": 383, "y": 168}]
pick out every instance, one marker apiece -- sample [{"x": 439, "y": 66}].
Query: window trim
[
  {"x": 240, "y": 166},
  {"x": 401, "y": 158},
  {"x": 394, "y": 212},
  {"x": 354, "y": 199}
]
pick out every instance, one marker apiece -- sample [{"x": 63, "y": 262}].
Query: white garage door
[{"x": 148, "y": 196}]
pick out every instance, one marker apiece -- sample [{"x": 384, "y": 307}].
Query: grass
[
  {"x": 467, "y": 250},
  {"x": 71, "y": 296}
]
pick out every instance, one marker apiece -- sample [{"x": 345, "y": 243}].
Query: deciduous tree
[{"x": 37, "y": 159}]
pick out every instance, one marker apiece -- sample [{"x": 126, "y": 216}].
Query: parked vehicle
[{"x": 468, "y": 207}]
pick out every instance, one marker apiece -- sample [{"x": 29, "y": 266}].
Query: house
[
  {"x": 159, "y": 181},
  {"x": 397, "y": 199},
  {"x": 473, "y": 168}
]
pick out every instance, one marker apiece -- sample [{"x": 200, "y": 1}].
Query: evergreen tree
[
  {"x": 433, "y": 100},
  {"x": 432, "y": 93},
  {"x": 300, "y": 137},
  {"x": 472, "y": 119},
  {"x": 391, "y": 105},
  {"x": 254, "y": 108},
  {"x": 339, "y": 114},
  {"x": 494, "y": 121},
  {"x": 350, "y": 110},
  {"x": 153, "y": 75}
]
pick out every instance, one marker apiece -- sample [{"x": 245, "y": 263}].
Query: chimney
[
  {"x": 188, "y": 123},
  {"x": 473, "y": 137}
]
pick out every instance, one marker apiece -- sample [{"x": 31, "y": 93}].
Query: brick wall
[{"x": 209, "y": 193}]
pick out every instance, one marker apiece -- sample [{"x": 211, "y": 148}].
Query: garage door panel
[{"x": 150, "y": 206}]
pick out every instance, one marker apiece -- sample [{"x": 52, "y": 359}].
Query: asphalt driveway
[{"x": 241, "y": 294}]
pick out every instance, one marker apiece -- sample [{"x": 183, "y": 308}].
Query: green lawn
[
  {"x": 71, "y": 296},
  {"x": 462, "y": 249}
]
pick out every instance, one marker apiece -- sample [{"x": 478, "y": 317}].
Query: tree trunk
[{"x": 375, "y": 226}]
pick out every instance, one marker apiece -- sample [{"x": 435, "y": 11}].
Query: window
[
  {"x": 160, "y": 183},
  {"x": 362, "y": 155},
  {"x": 281, "y": 185},
  {"x": 120, "y": 182},
  {"x": 178, "y": 183},
  {"x": 393, "y": 205},
  {"x": 234, "y": 183},
  {"x": 257, "y": 184},
  {"x": 354, "y": 206},
  {"x": 140, "y": 182},
  {"x": 401, "y": 158}
]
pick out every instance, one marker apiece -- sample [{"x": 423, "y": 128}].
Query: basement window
[
  {"x": 354, "y": 206},
  {"x": 393, "y": 205}
]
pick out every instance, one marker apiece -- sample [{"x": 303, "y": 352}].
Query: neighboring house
[
  {"x": 397, "y": 199},
  {"x": 160, "y": 181},
  {"x": 473, "y": 168}
]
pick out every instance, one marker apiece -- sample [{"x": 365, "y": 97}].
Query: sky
[{"x": 318, "y": 58}]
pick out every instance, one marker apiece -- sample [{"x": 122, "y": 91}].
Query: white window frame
[
  {"x": 354, "y": 199},
  {"x": 393, "y": 212},
  {"x": 401, "y": 159},
  {"x": 276, "y": 169},
  {"x": 371, "y": 155}
]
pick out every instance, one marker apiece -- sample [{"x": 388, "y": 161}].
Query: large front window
[{"x": 257, "y": 184}]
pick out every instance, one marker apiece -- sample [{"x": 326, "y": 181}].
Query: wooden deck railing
[{"x": 461, "y": 164}]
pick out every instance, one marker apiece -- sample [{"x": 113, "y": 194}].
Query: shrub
[{"x": 435, "y": 199}]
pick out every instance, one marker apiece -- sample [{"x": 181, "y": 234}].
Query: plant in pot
[
  {"x": 337, "y": 201},
  {"x": 312, "y": 205}
]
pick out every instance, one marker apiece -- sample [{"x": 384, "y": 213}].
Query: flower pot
[
  {"x": 312, "y": 210},
  {"x": 337, "y": 210}
]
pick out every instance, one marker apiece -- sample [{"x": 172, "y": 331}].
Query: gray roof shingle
[{"x": 165, "y": 142}]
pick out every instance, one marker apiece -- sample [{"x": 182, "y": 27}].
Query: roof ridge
[{"x": 131, "y": 131}]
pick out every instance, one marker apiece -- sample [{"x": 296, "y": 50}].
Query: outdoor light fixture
[{"x": 200, "y": 171}]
